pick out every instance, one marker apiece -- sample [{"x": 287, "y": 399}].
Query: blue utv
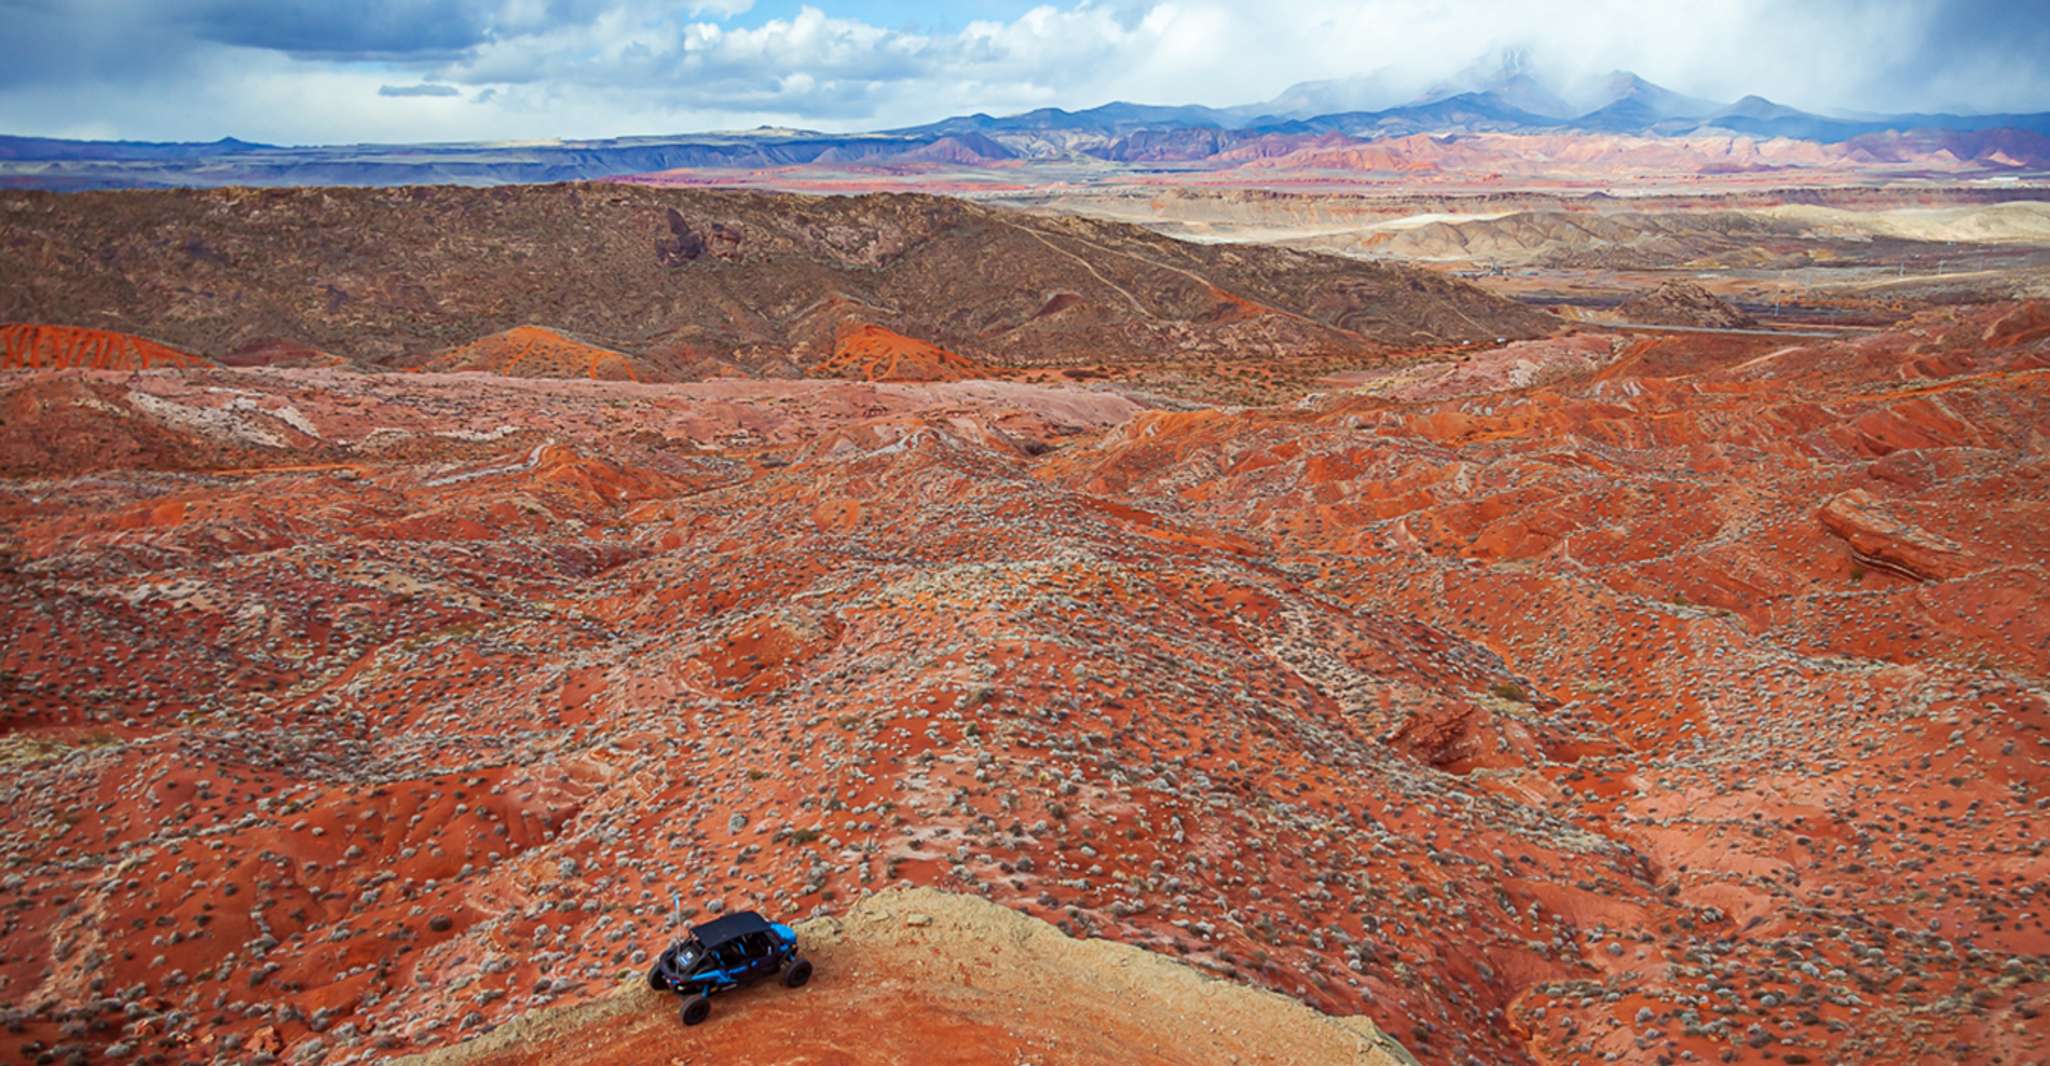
[{"x": 725, "y": 953}]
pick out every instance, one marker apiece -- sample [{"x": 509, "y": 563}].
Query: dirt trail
[
  {"x": 932, "y": 977},
  {"x": 1088, "y": 266}
]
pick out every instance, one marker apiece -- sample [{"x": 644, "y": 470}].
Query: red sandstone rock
[
  {"x": 538, "y": 352},
  {"x": 1881, "y": 540},
  {"x": 37, "y": 346}
]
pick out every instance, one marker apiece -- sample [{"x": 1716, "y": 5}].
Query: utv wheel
[
  {"x": 797, "y": 973},
  {"x": 696, "y": 1009},
  {"x": 656, "y": 981}
]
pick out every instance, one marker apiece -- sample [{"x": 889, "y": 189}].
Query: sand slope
[{"x": 925, "y": 976}]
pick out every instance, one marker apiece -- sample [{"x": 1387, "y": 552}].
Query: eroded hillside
[
  {"x": 1645, "y": 696},
  {"x": 696, "y": 282}
]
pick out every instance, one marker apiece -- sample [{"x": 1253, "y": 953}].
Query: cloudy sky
[{"x": 322, "y": 71}]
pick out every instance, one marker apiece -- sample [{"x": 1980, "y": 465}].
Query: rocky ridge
[
  {"x": 698, "y": 282},
  {"x": 1683, "y": 303}
]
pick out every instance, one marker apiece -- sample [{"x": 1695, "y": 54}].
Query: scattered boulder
[{"x": 684, "y": 244}]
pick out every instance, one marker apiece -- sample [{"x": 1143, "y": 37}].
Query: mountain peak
[
  {"x": 1624, "y": 83},
  {"x": 1624, "y": 91},
  {"x": 1756, "y": 106},
  {"x": 1330, "y": 96},
  {"x": 1509, "y": 77}
]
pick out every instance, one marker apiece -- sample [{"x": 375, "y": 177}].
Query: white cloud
[{"x": 603, "y": 67}]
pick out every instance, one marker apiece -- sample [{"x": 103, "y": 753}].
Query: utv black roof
[{"x": 729, "y": 927}]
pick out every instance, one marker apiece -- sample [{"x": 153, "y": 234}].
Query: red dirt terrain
[
  {"x": 1628, "y": 698},
  {"x": 538, "y": 352},
  {"x": 873, "y": 353},
  {"x": 1591, "y": 156},
  {"x": 39, "y": 346},
  {"x": 275, "y": 351}
]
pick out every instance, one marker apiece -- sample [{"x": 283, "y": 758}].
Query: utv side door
[
  {"x": 735, "y": 960},
  {"x": 760, "y": 953}
]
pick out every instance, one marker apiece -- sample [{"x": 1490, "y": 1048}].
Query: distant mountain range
[{"x": 1311, "y": 117}]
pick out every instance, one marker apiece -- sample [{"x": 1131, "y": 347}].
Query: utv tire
[
  {"x": 656, "y": 981},
  {"x": 696, "y": 1009},
  {"x": 797, "y": 973}
]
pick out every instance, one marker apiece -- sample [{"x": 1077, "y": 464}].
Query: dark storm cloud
[
  {"x": 1959, "y": 30},
  {"x": 53, "y": 43},
  {"x": 335, "y": 28},
  {"x": 134, "y": 36},
  {"x": 1974, "y": 54},
  {"x": 424, "y": 89}
]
